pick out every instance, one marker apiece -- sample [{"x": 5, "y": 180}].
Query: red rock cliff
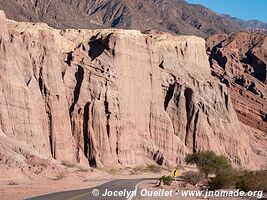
[{"x": 113, "y": 98}]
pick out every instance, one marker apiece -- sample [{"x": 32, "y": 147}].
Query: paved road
[{"x": 87, "y": 194}]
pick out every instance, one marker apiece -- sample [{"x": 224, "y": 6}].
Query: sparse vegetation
[
  {"x": 153, "y": 168},
  {"x": 70, "y": 165},
  {"x": 225, "y": 176},
  {"x": 208, "y": 162},
  {"x": 67, "y": 164},
  {"x": 252, "y": 181},
  {"x": 82, "y": 169},
  {"x": 12, "y": 183},
  {"x": 243, "y": 180},
  {"x": 111, "y": 170},
  {"x": 192, "y": 177},
  {"x": 144, "y": 169},
  {"x": 59, "y": 176},
  {"x": 223, "y": 180},
  {"x": 167, "y": 180}
]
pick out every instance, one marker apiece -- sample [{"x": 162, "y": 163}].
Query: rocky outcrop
[
  {"x": 114, "y": 98},
  {"x": 240, "y": 61}
]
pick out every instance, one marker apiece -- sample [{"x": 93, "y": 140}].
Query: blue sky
[{"x": 243, "y": 9}]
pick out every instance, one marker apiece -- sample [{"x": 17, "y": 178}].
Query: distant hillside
[
  {"x": 250, "y": 25},
  {"x": 176, "y": 16},
  {"x": 247, "y": 24}
]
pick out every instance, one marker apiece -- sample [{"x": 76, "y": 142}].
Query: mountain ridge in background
[
  {"x": 176, "y": 16},
  {"x": 252, "y": 25}
]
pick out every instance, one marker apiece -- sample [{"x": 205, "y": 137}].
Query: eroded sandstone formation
[
  {"x": 239, "y": 61},
  {"x": 113, "y": 98}
]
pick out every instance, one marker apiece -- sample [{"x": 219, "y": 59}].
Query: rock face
[
  {"x": 112, "y": 98},
  {"x": 240, "y": 62}
]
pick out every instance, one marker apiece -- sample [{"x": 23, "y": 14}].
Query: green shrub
[
  {"x": 192, "y": 177},
  {"x": 223, "y": 180},
  {"x": 225, "y": 177},
  {"x": 208, "y": 162},
  {"x": 167, "y": 180},
  {"x": 243, "y": 180},
  {"x": 252, "y": 181}
]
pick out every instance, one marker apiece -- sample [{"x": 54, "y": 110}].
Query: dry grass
[
  {"x": 67, "y": 164},
  {"x": 193, "y": 177},
  {"x": 144, "y": 169},
  {"x": 59, "y": 176},
  {"x": 82, "y": 169},
  {"x": 70, "y": 165},
  {"x": 113, "y": 171},
  {"x": 12, "y": 183}
]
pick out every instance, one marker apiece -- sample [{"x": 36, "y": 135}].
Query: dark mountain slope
[{"x": 166, "y": 15}]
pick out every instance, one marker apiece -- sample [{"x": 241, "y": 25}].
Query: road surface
[{"x": 125, "y": 186}]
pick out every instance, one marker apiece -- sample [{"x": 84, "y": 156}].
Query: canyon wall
[
  {"x": 113, "y": 98},
  {"x": 239, "y": 61}
]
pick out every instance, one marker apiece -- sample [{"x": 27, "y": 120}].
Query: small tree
[
  {"x": 223, "y": 180},
  {"x": 252, "y": 181},
  {"x": 208, "y": 162},
  {"x": 243, "y": 180}
]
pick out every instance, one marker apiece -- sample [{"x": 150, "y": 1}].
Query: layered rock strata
[
  {"x": 112, "y": 98},
  {"x": 239, "y": 61}
]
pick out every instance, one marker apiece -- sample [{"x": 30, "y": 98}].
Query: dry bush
[
  {"x": 252, "y": 181},
  {"x": 167, "y": 180},
  {"x": 59, "y": 176},
  {"x": 153, "y": 168},
  {"x": 82, "y": 169},
  {"x": 67, "y": 164},
  {"x": 144, "y": 169},
  {"x": 12, "y": 183},
  {"x": 193, "y": 178}
]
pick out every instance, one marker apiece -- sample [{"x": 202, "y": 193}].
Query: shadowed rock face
[
  {"x": 113, "y": 98},
  {"x": 240, "y": 62}
]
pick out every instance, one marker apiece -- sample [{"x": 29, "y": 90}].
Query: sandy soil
[
  {"x": 20, "y": 187},
  {"x": 16, "y": 184}
]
